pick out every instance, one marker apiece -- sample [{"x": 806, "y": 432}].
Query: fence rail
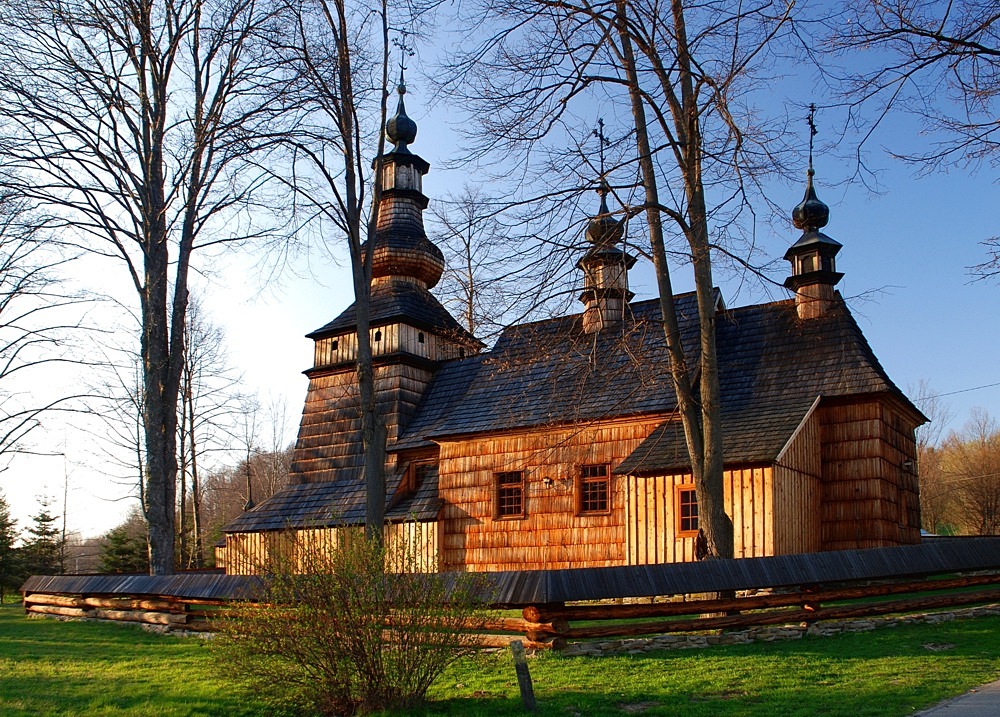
[{"x": 196, "y": 603}]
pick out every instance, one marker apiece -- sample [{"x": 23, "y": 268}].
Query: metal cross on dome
[
  {"x": 601, "y": 142},
  {"x": 811, "y": 119},
  {"x": 405, "y": 51}
]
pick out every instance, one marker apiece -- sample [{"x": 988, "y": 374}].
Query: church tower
[
  {"x": 605, "y": 270},
  {"x": 411, "y": 332}
]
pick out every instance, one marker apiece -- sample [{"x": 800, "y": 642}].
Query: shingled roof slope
[
  {"x": 312, "y": 505},
  {"x": 551, "y": 372},
  {"x": 394, "y": 301},
  {"x": 755, "y": 434},
  {"x": 772, "y": 368}
]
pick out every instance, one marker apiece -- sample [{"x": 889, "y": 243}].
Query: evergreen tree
[
  {"x": 42, "y": 551},
  {"x": 123, "y": 552},
  {"x": 11, "y": 574}
]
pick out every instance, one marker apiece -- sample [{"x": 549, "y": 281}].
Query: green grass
[
  {"x": 62, "y": 668},
  {"x": 49, "y": 667}
]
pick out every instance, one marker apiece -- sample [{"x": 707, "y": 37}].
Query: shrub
[{"x": 334, "y": 633}]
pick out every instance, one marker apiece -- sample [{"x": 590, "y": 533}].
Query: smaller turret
[
  {"x": 813, "y": 256},
  {"x": 605, "y": 270}
]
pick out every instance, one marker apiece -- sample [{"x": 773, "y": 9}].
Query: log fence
[{"x": 553, "y": 625}]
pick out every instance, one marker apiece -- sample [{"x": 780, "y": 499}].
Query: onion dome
[
  {"x": 813, "y": 257},
  {"x": 810, "y": 214},
  {"x": 407, "y": 255},
  {"x": 604, "y": 229},
  {"x": 400, "y": 129},
  {"x": 605, "y": 270}
]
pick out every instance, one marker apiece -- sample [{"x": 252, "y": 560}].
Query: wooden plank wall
[
  {"x": 412, "y": 546},
  {"x": 552, "y": 535},
  {"x": 869, "y": 497},
  {"x": 393, "y": 338},
  {"x": 797, "y": 477},
  {"x": 651, "y": 516}
]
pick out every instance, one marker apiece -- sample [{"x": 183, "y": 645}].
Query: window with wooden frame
[
  {"x": 510, "y": 494},
  {"x": 687, "y": 511},
  {"x": 593, "y": 490},
  {"x": 418, "y": 474}
]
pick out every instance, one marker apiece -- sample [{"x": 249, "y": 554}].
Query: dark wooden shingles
[{"x": 400, "y": 301}]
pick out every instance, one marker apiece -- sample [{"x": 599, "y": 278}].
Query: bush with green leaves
[{"x": 335, "y": 633}]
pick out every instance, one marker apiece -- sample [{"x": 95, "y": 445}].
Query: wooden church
[{"x": 561, "y": 447}]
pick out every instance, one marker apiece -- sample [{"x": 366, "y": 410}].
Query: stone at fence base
[{"x": 825, "y": 628}]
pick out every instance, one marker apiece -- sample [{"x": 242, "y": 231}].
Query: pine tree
[
  {"x": 123, "y": 552},
  {"x": 11, "y": 573},
  {"x": 42, "y": 550}
]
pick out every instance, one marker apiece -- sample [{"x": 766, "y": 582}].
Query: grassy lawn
[{"x": 59, "y": 668}]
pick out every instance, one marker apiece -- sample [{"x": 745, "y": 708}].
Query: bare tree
[
  {"x": 935, "y": 489},
  {"x": 681, "y": 73},
  {"x": 35, "y": 320},
  {"x": 339, "y": 56},
  {"x": 224, "y": 489},
  {"x": 208, "y": 405},
  {"x": 938, "y": 61},
  {"x": 494, "y": 274},
  {"x": 130, "y": 122}
]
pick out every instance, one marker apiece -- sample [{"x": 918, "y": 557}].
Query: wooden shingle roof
[
  {"x": 400, "y": 301},
  {"x": 551, "y": 372},
  {"x": 772, "y": 368}
]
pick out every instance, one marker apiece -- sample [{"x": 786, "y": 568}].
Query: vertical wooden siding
[
  {"x": 651, "y": 516},
  {"x": 411, "y": 546},
  {"x": 797, "y": 477},
  {"x": 551, "y": 535},
  {"x": 393, "y": 338}
]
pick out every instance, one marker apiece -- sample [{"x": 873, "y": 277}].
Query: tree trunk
[{"x": 699, "y": 413}]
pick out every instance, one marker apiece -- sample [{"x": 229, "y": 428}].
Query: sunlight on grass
[{"x": 49, "y": 667}]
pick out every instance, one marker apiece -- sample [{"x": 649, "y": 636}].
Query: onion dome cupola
[
  {"x": 605, "y": 270},
  {"x": 408, "y": 324},
  {"x": 813, "y": 256},
  {"x": 402, "y": 251}
]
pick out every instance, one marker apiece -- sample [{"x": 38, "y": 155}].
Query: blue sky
[{"x": 906, "y": 255}]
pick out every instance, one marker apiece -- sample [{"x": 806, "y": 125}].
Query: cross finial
[
  {"x": 405, "y": 50},
  {"x": 601, "y": 142},
  {"x": 811, "y": 119}
]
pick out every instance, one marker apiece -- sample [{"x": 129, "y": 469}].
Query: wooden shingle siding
[
  {"x": 869, "y": 496},
  {"x": 551, "y": 535},
  {"x": 330, "y": 430}
]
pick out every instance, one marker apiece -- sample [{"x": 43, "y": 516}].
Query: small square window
[
  {"x": 594, "y": 489},
  {"x": 510, "y": 494},
  {"x": 418, "y": 474},
  {"x": 687, "y": 510}
]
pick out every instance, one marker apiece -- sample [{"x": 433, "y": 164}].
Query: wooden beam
[{"x": 811, "y": 598}]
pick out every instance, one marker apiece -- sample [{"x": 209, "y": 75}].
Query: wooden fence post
[{"x": 523, "y": 676}]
